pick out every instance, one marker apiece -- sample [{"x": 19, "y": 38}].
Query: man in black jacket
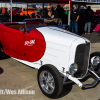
[{"x": 50, "y": 13}]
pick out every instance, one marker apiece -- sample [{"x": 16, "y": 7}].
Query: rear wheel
[{"x": 50, "y": 81}]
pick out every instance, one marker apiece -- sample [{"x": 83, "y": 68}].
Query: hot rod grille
[{"x": 81, "y": 58}]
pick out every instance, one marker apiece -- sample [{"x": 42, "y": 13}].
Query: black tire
[
  {"x": 57, "y": 79},
  {"x": 97, "y": 68},
  {"x": 95, "y": 54}
]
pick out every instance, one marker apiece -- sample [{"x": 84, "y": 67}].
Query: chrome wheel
[{"x": 47, "y": 82}]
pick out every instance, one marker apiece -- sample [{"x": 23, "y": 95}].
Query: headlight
[
  {"x": 96, "y": 60},
  {"x": 73, "y": 68}
]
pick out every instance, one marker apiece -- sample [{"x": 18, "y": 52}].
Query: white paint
[{"x": 58, "y": 36}]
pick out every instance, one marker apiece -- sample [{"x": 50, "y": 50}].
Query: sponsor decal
[{"x": 29, "y": 43}]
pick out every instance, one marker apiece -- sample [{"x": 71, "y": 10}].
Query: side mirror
[{"x": 21, "y": 29}]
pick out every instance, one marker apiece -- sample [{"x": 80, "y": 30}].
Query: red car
[
  {"x": 15, "y": 11},
  {"x": 97, "y": 13}
]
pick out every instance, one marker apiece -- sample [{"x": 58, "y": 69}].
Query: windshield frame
[{"x": 29, "y": 19}]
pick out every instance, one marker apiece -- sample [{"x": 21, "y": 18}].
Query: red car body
[
  {"x": 22, "y": 45},
  {"x": 15, "y": 10},
  {"x": 97, "y": 13}
]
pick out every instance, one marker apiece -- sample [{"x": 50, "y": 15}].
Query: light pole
[
  {"x": 69, "y": 12},
  {"x": 11, "y": 10}
]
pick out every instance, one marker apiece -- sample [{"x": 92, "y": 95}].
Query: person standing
[
  {"x": 88, "y": 17},
  {"x": 74, "y": 18},
  {"x": 50, "y": 13},
  {"x": 3, "y": 11},
  {"x": 60, "y": 11}
]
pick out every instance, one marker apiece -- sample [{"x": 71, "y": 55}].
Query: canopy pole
[
  {"x": 11, "y": 10},
  {"x": 27, "y": 9},
  {"x": 69, "y": 12}
]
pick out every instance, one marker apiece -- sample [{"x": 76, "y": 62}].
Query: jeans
[
  {"x": 87, "y": 25},
  {"x": 74, "y": 26}
]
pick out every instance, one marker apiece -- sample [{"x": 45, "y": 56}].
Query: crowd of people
[
  {"x": 86, "y": 16},
  {"x": 74, "y": 17},
  {"x": 59, "y": 12}
]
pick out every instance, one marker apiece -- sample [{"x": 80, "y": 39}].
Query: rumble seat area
[{"x": 16, "y": 26}]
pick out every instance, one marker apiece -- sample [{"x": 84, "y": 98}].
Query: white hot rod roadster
[{"x": 58, "y": 55}]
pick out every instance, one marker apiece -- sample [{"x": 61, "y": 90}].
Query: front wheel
[
  {"x": 50, "y": 81},
  {"x": 95, "y": 60}
]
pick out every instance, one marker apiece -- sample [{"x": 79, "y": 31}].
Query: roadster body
[{"x": 58, "y": 55}]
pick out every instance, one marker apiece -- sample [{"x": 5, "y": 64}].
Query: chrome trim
[
  {"x": 71, "y": 66},
  {"x": 97, "y": 79},
  {"x": 71, "y": 79}
]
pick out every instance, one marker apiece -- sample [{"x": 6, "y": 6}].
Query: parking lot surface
[{"x": 15, "y": 76}]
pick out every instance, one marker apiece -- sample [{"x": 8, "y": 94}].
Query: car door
[
  {"x": 30, "y": 45},
  {"x": 34, "y": 45},
  {"x": 15, "y": 40}
]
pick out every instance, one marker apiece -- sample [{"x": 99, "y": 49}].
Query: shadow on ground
[
  {"x": 66, "y": 89},
  {"x": 1, "y": 70},
  {"x": 4, "y": 56}
]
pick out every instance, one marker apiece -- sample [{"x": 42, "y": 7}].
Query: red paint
[
  {"x": 97, "y": 13},
  {"x": 13, "y": 42},
  {"x": 35, "y": 52},
  {"x": 40, "y": 45},
  {"x": 62, "y": 5},
  {"x": 15, "y": 10}
]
